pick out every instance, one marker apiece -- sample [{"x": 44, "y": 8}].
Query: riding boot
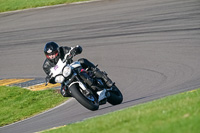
[{"x": 103, "y": 75}]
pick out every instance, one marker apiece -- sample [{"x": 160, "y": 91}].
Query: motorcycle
[{"x": 70, "y": 74}]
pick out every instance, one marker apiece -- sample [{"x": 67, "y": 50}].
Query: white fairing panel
[
  {"x": 57, "y": 69},
  {"x": 80, "y": 84},
  {"x": 75, "y": 64}
]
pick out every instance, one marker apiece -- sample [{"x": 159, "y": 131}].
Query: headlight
[
  {"x": 67, "y": 71},
  {"x": 59, "y": 79}
]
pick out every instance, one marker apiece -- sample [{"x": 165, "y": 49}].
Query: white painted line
[{"x": 70, "y": 99}]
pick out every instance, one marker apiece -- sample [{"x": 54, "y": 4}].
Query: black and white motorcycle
[{"x": 67, "y": 72}]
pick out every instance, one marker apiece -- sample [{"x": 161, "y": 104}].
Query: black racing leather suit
[{"x": 48, "y": 64}]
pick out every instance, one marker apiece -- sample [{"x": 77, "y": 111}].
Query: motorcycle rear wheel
[
  {"x": 83, "y": 100},
  {"x": 115, "y": 97}
]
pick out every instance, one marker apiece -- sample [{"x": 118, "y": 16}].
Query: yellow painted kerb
[
  {"x": 42, "y": 86},
  {"x": 38, "y": 87},
  {"x": 4, "y": 82}
]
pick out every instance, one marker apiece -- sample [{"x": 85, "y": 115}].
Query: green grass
[
  {"x": 18, "y": 103},
  {"x": 173, "y": 114},
  {"x": 177, "y": 114},
  {"x": 11, "y": 5}
]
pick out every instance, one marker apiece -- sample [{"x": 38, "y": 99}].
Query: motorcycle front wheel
[{"x": 89, "y": 101}]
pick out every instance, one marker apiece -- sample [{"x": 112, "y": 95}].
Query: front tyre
[
  {"x": 115, "y": 97},
  {"x": 90, "y": 102}
]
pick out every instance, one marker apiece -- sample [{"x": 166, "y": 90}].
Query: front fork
[{"x": 76, "y": 80}]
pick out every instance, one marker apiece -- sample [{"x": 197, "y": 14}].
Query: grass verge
[
  {"x": 17, "y": 103},
  {"x": 173, "y": 114},
  {"x": 11, "y": 5}
]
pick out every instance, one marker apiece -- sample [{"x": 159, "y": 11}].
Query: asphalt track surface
[{"x": 150, "y": 48}]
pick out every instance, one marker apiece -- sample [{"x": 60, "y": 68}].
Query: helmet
[{"x": 51, "y": 48}]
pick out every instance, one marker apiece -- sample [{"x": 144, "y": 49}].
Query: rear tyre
[
  {"x": 115, "y": 97},
  {"x": 90, "y": 101}
]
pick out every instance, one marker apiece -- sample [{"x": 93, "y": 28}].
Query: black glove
[
  {"x": 47, "y": 80},
  {"x": 76, "y": 50}
]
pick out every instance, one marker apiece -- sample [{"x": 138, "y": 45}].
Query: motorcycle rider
[{"x": 54, "y": 52}]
